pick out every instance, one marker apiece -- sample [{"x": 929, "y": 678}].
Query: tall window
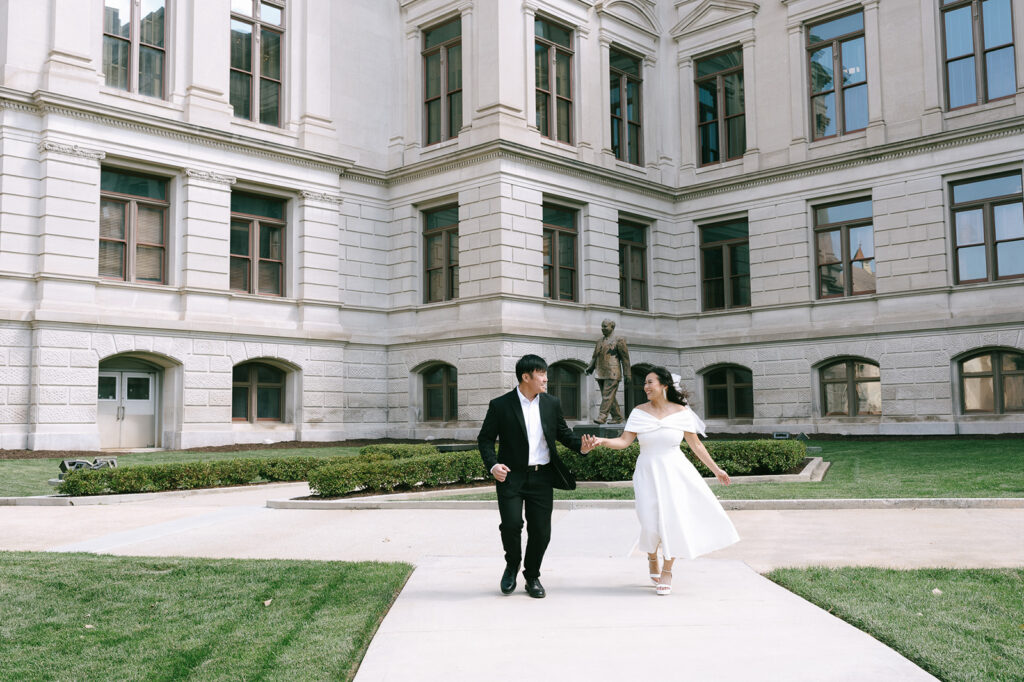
[
  {"x": 564, "y": 384},
  {"x": 553, "y": 65},
  {"x": 635, "y": 389},
  {"x": 851, "y": 388},
  {"x": 721, "y": 122},
  {"x": 440, "y": 394},
  {"x": 988, "y": 228},
  {"x": 993, "y": 382},
  {"x": 632, "y": 265},
  {"x": 257, "y": 244},
  {"x": 134, "y": 33},
  {"x": 845, "y": 249},
  {"x": 725, "y": 262},
  {"x": 257, "y": 393},
  {"x": 838, "y": 77},
  {"x": 559, "y": 253},
  {"x": 257, "y": 31},
  {"x": 729, "y": 393},
  {"x": 133, "y": 227},
  {"x": 441, "y": 245},
  {"x": 625, "y": 107},
  {"x": 979, "y": 51},
  {"x": 442, "y": 81}
]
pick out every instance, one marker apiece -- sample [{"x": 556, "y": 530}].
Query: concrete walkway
[{"x": 601, "y": 619}]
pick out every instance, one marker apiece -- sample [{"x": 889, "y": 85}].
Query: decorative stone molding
[
  {"x": 322, "y": 196},
  {"x": 210, "y": 176},
  {"x": 71, "y": 150}
]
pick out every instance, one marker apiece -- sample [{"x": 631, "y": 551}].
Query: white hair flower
[{"x": 675, "y": 382}]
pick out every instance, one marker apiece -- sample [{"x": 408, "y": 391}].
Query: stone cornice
[
  {"x": 210, "y": 176},
  {"x": 70, "y": 150},
  {"x": 322, "y": 196}
]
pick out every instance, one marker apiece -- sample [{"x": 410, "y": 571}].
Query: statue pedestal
[{"x": 599, "y": 430}]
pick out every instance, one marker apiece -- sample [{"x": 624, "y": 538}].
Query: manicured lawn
[
  {"x": 87, "y": 617},
  {"x": 22, "y": 477},
  {"x": 973, "y": 631},
  {"x": 897, "y": 468}
]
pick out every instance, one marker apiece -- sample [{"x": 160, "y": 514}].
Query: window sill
[
  {"x": 157, "y": 102},
  {"x": 438, "y": 148},
  {"x": 263, "y": 127},
  {"x": 970, "y": 111},
  {"x": 838, "y": 139},
  {"x": 560, "y": 146},
  {"x": 722, "y": 165}
]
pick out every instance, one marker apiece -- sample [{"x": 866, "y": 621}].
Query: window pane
[
  {"x": 151, "y": 72},
  {"x": 718, "y": 403},
  {"x": 555, "y": 34},
  {"x": 834, "y": 372},
  {"x": 959, "y": 36},
  {"x": 862, "y": 276},
  {"x": 543, "y": 124},
  {"x": 442, "y": 33},
  {"x": 869, "y": 397},
  {"x": 717, "y": 377},
  {"x": 240, "y": 373},
  {"x": 962, "y": 89},
  {"x": 863, "y": 370},
  {"x": 707, "y": 102},
  {"x": 1010, "y": 258},
  {"x": 1001, "y": 79},
  {"x": 435, "y": 285},
  {"x": 106, "y": 388},
  {"x": 1013, "y": 362},
  {"x": 719, "y": 62},
  {"x": 270, "y": 14},
  {"x": 978, "y": 394},
  {"x": 739, "y": 259},
  {"x": 615, "y": 95},
  {"x": 972, "y": 263},
  {"x": 270, "y": 242},
  {"x": 239, "y": 402},
  {"x": 970, "y": 228},
  {"x": 852, "y": 55},
  {"x": 987, "y": 188},
  {"x": 434, "y": 404},
  {"x": 442, "y": 217},
  {"x": 566, "y": 250},
  {"x": 624, "y": 62},
  {"x": 829, "y": 246},
  {"x": 122, "y": 182},
  {"x": 112, "y": 219},
  {"x": 982, "y": 363},
  {"x": 111, "y": 259},
  {"x": 268, "y": 403},
  {"x": 433, "y": 121},
  {"x": 744, "y": 401},
  {"x": 117, "y": 17},
  {"x": 736, "y": 229},
  {"x": 152, "y": 23},
  {"x": 541, "y": 66},
  {"x": 566, "y": 285},
  {"x": 823, "y": 111},
  {"x": 252, "y": 204},
  {"x": 435, "y": 251},
  {"x": 137, "y": 388},
  {"x": 713, "y": 263},
  {"x": 239, "y": 238},
  {"x": 454, "y": 67},
  {"x": 831, "y": 280},
  {"x": 270, "y": 55},
  {"x": 548, "y": 234},
  {"x": 836, "y": 400},
  {"x": 634, "y": 144},
  {"x": 1009, "y": 219},
  {"x": 714, "y": 294},
  {"x": 149, "y": 227},
  {"x": 454, "y": 113},
  {"x": 1013, "y": 393},
  {"x": 242, "y": 7},
  {"x": 270, "y": 102},
  {"x": 564, "y": 112},
  {"x": 241, "y": 45},
  {"x": 633, "y": 100},
  {"x": 116, "y": 57},
  {"x": 733, "y": 95},
  {"x": 558, "y": 216},
  {"x": 709, "y": 143},
  {"x": 821, "y": 70},
  {"x": 636, "y": 293},
  {"x": 432, "y": 72},
  {"x": 855, "y": 113},
  {"x": 862, "y": 242},
  {"x": 265, "y": 374},
  {"x": 841, "y": 213},
  {"x": 270, "y": 278},
  {"x": 239, "y": 274},
  {"x": 737, "y": 136},
  {"x": 631, "y": 232},
  {"x": 741, "y": 291},
  {"x": 241, "y": 94},
  {"x": 996, "y": 22},
  {"x": 149, "y": 264},
  {"x": 837, "y": 27}
]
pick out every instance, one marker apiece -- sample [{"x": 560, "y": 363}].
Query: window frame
[
  {"x": 727, "y": 246},
  {"x": 253, "y": 385},
  {"x": 557, "y": 388},
  {"x": 449, "y": 388},
  {"x": 256, "y": 225},
  {"x": 987, "y": 206},
  {"x": 449, "y": 277},
  {"x": 444, "y": 93},
  {"x": 845, "y": 257},
  {"x": 997, "y": 374},
  {"x": 135, "y": 44},
  {"x": 622, "y": 122},
  {"x": 722, "y": 119},
  {"x": 555, "y": 268},
  {"x": 837, "y": 69},
  {"x": 626, "y": 275},
  {"x": 731, "y": 387},
  {"x": 977, "y": 54},
  {"x": 130, "y": 242},
  {"x": 552, "y": 50},
  {"x": 255, "y": 73},
  {"x": 850, "y": 381}
]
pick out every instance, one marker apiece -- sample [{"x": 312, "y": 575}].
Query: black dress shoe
[
  {"x": 534, "y": 588},
  {"x": 508, "y": 580}
]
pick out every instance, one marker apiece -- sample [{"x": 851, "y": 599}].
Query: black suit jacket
[{"x": 505, "y": 423}]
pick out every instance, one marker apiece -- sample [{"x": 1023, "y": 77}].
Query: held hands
[{"x": 589, "y": 443}]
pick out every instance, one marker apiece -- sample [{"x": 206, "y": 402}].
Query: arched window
[
  {"x": 729, "y": 393},
  {"x": 564, "y": 384},
  {"x": 440, "y": 393},
  {"x": 992, "y": 381},
  {"x": 851, "y": 388},
  {"x": 635, "y": 393},
  {"x": 257, "y": 392}
]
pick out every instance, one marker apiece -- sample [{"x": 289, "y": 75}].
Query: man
[
  {"x": 527, "y": 422},
  {"x": 611, "y": 359}
]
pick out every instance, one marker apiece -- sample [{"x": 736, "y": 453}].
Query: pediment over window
[
  {"x": 640, "y": 14},
  {"x": 701, "y": 15}
]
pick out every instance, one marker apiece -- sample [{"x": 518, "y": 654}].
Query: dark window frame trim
[
  {"x": 552, "y": 50},
  {"x": 445, "y": 231},
  {"x": 997, "y": 373},
  {"x": 449, "y": 412},
  {"x": 555, "y": 266},
  {"x": 623, "y": 120},
  {"x": 444, "y": 92},
  {"x": 253, "y": 385},
  {"x": 626, "y": 268},
  {"x": 256, "y": 61},
  {"x": 978, "y": 39},
  {"x": 134, "y": 49},
  {"x": 132, "y": 202},
  {"x": 254, "y": 244},
  {"x": 722, "y": 119},
  {"x": 987, "y": 207},
  {"x": 851, "y": 381},
  {"x": 844, "y": 244},
  {"x": 730, "y": 387},
  {"x": 727, "y": 276},
  {"x": 837, "y": 87},
  {"x": 577, "y": 371}
]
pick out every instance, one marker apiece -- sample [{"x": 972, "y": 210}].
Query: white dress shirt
[{"x": 539, "y": 451}]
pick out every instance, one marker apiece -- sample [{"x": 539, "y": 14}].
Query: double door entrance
[{"x": 126, "y": 409}]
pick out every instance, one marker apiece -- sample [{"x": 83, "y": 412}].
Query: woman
[{"x": 676, "y": 507}]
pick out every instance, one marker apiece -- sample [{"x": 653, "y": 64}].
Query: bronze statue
[{"x": 611, "y": 360}]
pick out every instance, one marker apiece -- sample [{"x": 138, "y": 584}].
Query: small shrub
[
  {"x": 399, "y": 450},
  {"x": 340, "y": 478}
]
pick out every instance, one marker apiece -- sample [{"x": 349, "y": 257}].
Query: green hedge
[
  {"x": 340, "y": 478},
  {"x": 398, "y": 450}
]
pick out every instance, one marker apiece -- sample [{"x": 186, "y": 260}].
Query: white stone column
[
  {"x": 70, "y": 68},
  {"x": 599, "y": 256},
  {"x": 751, "y": 158},
  {"x": 413, "y": 132},
  {"x": 470, "y": 66},
  {"x": 932, "y": 61},
  {"x": 687, "y": 118},
  {"x": 313, "y": 78},
  {"x": 873, "y": 64},
  {"x": 206, "y": 42},
  {"x": 605, "y": 45},
  {"x": 529, "y": 75},
  {"x": 798, "y": 95},
  {"x": 650, "y": 105},
  {"x": 205, "y": 230},
  {"x": 69, "y": 189},
  {"x": 317, "y": 249},
  {"x": 62, "y": 391}
]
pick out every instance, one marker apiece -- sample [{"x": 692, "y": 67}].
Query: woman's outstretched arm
[
  {"x": 620, "y": 443},
  {"x": 702, "y": 454}
]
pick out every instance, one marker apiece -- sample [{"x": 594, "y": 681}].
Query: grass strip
[
  {"x": 83, "y": 616},
  {"x": 972, "y": 631}
]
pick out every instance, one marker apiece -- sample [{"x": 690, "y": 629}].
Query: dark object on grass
[{"x": 80, "y": 464}]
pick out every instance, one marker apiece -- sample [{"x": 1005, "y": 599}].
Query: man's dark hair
[{"x": 528, "y": 364}]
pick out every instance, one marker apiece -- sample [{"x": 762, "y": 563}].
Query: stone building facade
[{"x": 231, "y": 221}]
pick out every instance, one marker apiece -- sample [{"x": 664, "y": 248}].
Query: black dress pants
[{"x": 532, "y": 489}]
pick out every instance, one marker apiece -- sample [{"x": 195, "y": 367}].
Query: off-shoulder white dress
[{"x": 675, "y": 505}]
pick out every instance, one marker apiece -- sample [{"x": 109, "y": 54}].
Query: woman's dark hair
[
  {"x": 528, "y": 364},
  {"x": 673, "y": 394}
]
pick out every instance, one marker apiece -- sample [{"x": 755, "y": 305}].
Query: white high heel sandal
[
  {"x": 655, "y": 577},
  {"x": 663, "y": 590}
]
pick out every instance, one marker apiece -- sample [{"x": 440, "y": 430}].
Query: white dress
[{"x": 675, "y": 505}]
